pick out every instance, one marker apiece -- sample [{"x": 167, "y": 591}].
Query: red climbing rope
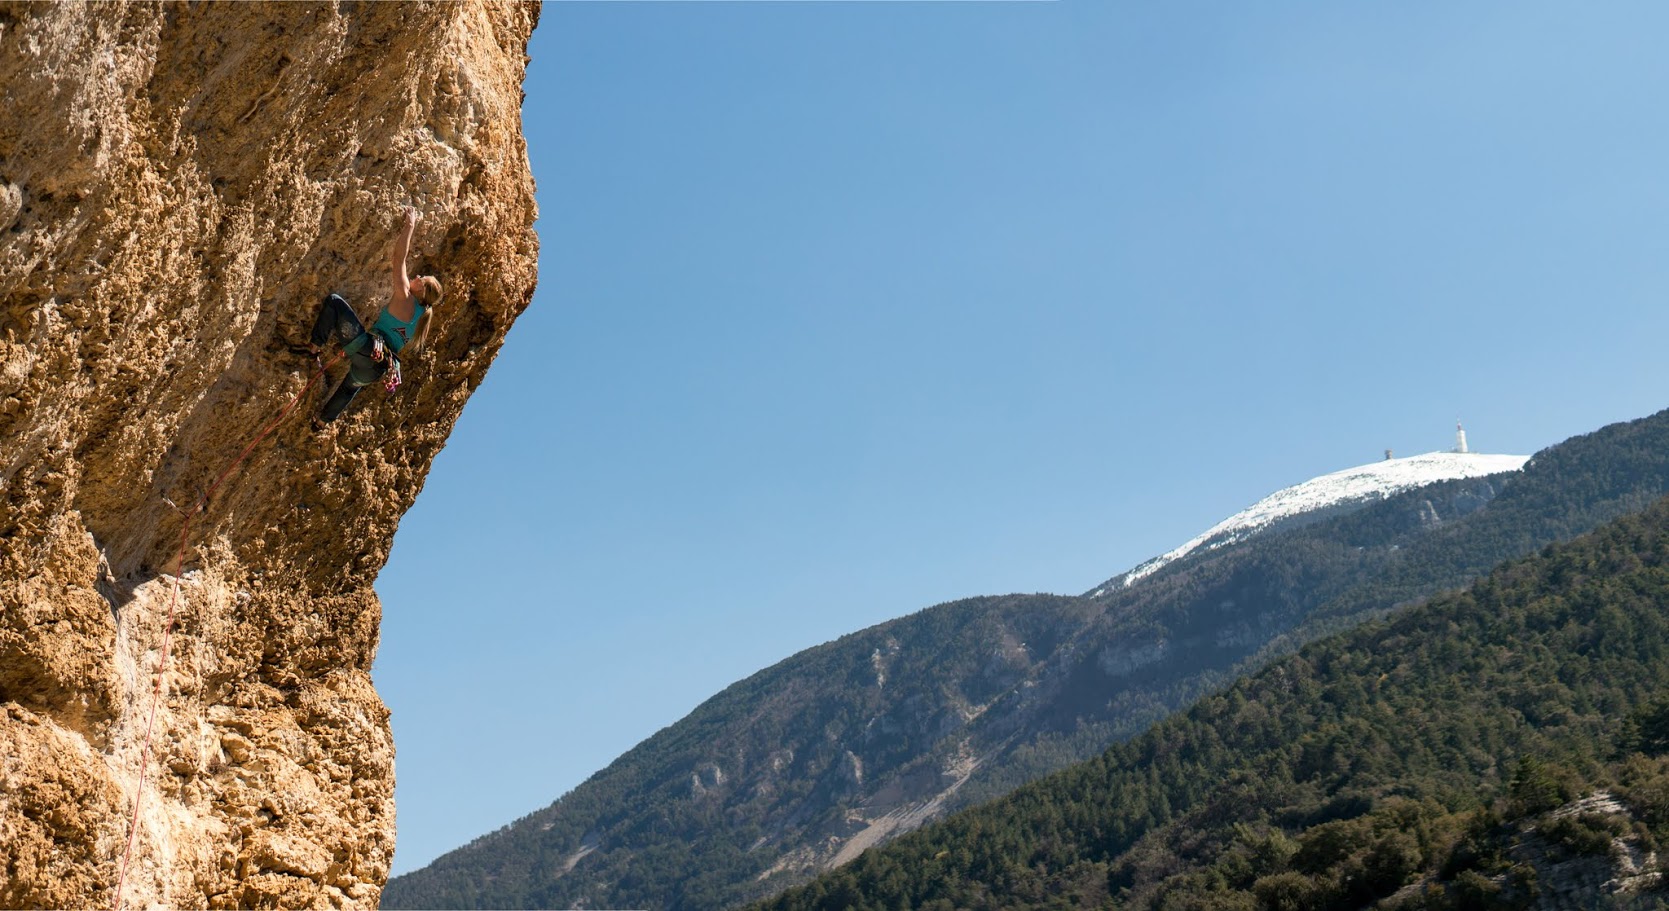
[{"x": 173, "y": 599}]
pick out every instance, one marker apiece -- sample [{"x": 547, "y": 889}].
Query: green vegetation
[{"x": 1410, "y": 761}]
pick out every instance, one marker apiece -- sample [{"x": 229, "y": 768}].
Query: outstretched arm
[{"x": 397, "y": 257}]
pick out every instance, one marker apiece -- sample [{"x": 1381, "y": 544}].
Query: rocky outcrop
[
  {"x": 1591, "y": 853},
  {"x": 1587, "y": 854},
  {"x": 179, "y": 185}
]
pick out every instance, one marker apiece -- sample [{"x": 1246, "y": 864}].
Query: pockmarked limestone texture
[{"x": 180, "y": 184}]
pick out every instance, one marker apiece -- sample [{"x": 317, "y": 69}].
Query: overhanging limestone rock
[{"x": 179, "y": 186}]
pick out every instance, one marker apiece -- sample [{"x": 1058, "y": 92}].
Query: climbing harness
[{"x": 173, "y": 598}]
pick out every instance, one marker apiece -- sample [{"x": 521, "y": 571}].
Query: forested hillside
[
  {"x": 803, "y": 765},
  {"x": 1429, "y": 760}
]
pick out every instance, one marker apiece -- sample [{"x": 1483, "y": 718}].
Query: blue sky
[{"x": 848, "y": 309}]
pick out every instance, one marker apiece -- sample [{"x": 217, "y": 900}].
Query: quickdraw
[{"x": 391, "y": 376}]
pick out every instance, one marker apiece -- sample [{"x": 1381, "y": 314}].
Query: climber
[{"x": 401, "y": 326}]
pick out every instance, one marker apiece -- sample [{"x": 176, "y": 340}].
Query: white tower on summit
[{"x": 1460, "y": 437}]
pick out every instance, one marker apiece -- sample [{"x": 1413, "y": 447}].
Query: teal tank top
[{"x": 397, "y": 332}]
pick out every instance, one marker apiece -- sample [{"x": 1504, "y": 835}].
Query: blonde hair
[
  {"x": 430, "y": 293},
  {"x": 429, "y": 290},
  {"x": 421, "y": 335}
]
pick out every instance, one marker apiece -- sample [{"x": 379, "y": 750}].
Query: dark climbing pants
[{"x": 338, "y": 324}]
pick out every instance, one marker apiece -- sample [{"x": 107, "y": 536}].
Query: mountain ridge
[
  {"x": 994, "y": 704},
  {"x": 1312, "y": 500}
]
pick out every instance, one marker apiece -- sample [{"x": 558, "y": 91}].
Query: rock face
[{"x": 179, "y": 186}]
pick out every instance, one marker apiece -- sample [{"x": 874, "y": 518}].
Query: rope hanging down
[{"x": 173, "y": 599}]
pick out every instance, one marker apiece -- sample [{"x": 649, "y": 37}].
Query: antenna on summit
[{"x": 1460, "y": 437}]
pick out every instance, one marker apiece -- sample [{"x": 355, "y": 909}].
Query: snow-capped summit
[{"x": 1359, "y": 485}]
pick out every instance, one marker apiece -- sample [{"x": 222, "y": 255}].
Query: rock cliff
[{"x": 179, "y": 185}]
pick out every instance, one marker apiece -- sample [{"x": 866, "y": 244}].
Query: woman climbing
[{"x": 402, "y": 326}]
